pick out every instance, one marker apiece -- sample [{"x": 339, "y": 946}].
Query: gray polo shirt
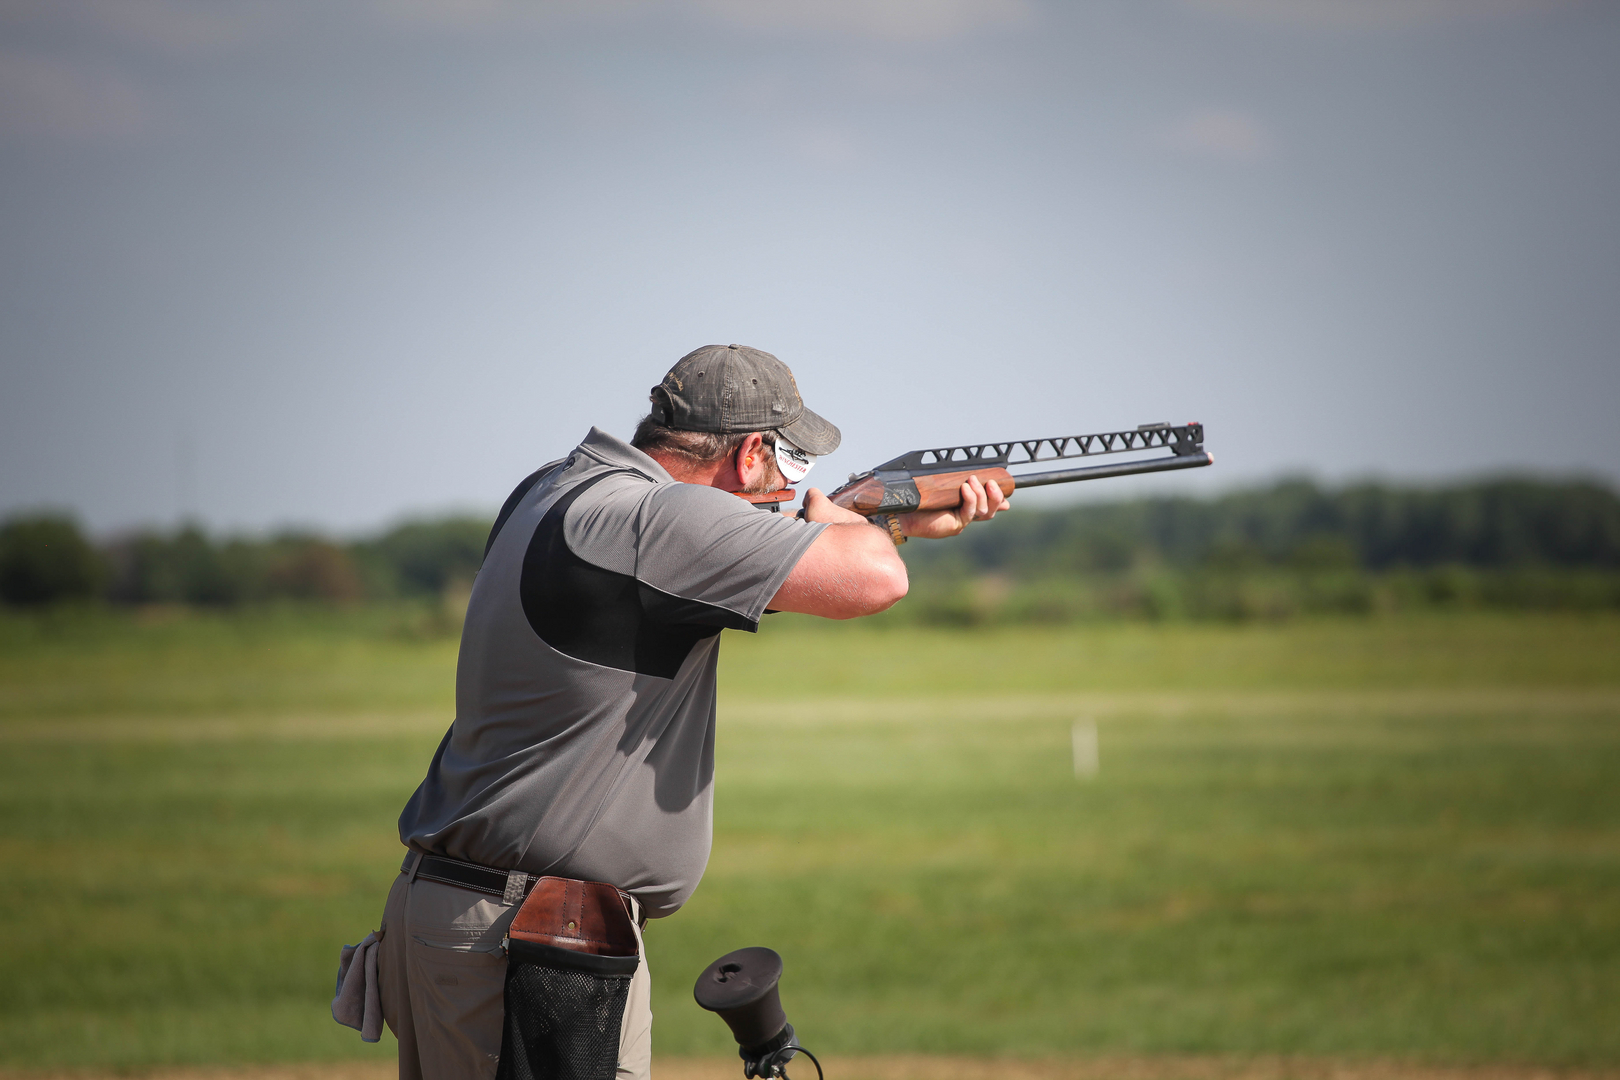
[{"x": 583, "y": 743}]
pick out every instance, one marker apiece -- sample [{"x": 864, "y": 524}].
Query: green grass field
[{"x": 1352, "y": 839}]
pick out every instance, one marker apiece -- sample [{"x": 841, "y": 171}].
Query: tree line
[
  {"x": 1289, "y": 546},
  {"x": 1487, "y": 524},
  {"x": 46, "y": 558}
]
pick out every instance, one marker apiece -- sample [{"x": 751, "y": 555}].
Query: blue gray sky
[{"x": 275, "y": 262}]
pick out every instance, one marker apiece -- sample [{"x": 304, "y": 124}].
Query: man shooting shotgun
[{"x": 570, "y": 801}]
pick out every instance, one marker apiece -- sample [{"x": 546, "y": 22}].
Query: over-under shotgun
[{"x": 932, "y": 479}]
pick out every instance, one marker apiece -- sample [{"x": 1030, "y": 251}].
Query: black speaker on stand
[{"x": 741, "y": 988}]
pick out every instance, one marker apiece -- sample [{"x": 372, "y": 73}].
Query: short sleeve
[{"x": 706, "y": 547}]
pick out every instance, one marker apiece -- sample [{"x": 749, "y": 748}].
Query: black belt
[{"x": 467, "y": 875}]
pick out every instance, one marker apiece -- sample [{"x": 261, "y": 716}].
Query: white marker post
[{"x": 1086, "y": 759}]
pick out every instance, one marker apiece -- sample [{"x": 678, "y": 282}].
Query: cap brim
[{"x": 812, "y": 434}]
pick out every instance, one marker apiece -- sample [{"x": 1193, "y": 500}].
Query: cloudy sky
[{"x": 331, "y": 262}]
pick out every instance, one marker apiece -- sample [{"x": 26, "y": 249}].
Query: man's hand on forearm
[{"x": 980, "y": 502}]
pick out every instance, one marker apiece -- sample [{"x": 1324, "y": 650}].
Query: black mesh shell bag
[
  {"x": 563, "y": 1013},
  {"x": 570, "y": 954}
]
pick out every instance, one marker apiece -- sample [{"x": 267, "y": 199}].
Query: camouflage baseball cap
[{"x": 732, "y": 388}]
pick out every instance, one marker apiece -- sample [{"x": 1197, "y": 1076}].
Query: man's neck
[{"x": 721, "y": 474}]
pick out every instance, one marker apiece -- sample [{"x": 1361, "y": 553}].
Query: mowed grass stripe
[
  {"x": 369, "y": 663},
  {"x": 742, "y": 712}
]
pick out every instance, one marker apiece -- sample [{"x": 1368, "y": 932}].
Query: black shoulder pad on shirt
[{"x": 605, "y": 617}]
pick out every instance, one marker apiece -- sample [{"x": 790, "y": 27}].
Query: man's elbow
[{"x": 886, "y": 586}]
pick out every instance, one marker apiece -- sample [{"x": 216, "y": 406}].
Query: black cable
[{"x": 812, "y": 1057}]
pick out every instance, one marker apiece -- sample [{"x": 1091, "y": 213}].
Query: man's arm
[{"x": 853, "y": 569}]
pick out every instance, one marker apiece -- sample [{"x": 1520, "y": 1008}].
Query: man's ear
[{"x": 751, "y": 464}]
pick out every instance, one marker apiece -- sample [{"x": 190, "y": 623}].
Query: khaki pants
[{"x": 442, "y": 977}]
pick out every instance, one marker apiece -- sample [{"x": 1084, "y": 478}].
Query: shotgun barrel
[{"x": 1120, "y": 468}]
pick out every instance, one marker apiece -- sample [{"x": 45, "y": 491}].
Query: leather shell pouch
[{"x": 571, "y": 951}]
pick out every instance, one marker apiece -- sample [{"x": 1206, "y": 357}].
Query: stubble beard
[{"x": 770, "y": 480}]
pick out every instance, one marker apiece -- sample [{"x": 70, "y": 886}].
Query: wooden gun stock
[
  {"x": 769, "y": 500},
  {"x": 931, "y": 491}
]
